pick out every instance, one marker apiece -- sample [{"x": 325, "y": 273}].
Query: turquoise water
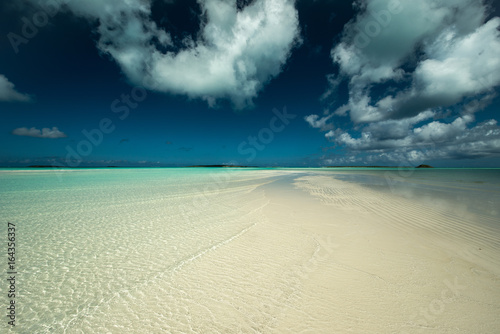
[{"x": 92, "y": 242}]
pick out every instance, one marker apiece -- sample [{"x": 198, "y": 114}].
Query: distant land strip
[{"x": 220, "y": 166}]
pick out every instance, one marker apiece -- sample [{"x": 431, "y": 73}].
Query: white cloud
[
  {"x": 9, "y": 93},
  {"x": 319, "y": 123},
  {"x": 458, "y": 56},
  {"x": 439, "y": 132},
  {"x": 417, "y": 74},
  {"x": 396, "y": 129},
  {"x": 383, "y": 134},
  {"x": 434, "y": 140},
  {"x": 44, "y": 133},
  {"x": 235, "y": 54},
  {"x": 457, "y": 68}
]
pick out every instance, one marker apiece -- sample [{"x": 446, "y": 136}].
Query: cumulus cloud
[
  {"x": 458, "y": 56},
  {"x": 319, "y": 122},
  {"x": 417, "y": 84},
  {"x": 9, "y": 93},
  {"x": 459, "y": 139},
  {"x": 236, "y": 52},
  {"x": 43, "y": 133},
  {"x": 457, "y": 68}
]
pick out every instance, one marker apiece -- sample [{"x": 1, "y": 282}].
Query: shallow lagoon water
[
  {"x": 96, "y": 247},
  {"x": 90, "y": 237}
]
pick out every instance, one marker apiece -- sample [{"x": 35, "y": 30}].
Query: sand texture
[{"x": 257, "y": 251}]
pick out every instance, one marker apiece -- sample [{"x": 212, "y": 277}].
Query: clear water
[
  {"x": 91, "y": 243},
  {"x": 88, "y": 239}
]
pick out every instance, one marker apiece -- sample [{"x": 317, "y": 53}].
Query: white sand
[
  {"x": 327, "y": 256},
  {"x": 400, "y": 267},
  {"x": 305, "y": 254}
]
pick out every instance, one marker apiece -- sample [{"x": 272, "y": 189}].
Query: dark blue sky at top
[{"x": 72, "y": 85}]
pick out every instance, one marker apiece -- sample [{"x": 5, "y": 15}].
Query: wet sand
[
  {"x": 261, "y": 251},
  {"x": 333, "y": 257}
]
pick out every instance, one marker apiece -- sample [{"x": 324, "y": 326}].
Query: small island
[
  {"x": 235, "y": 166},
  {"x": 424, "y": 166},
  {"x": 45, "y": 166}
]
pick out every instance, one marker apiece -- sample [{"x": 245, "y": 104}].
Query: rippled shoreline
[{"x": 250, "y": 251}]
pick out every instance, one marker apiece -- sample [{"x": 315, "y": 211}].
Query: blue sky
[{"x": 261, "y": 83}]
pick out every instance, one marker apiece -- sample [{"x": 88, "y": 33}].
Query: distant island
[
  {"x": 366, "y": 167},
  {"x": 419, "y": 166},
  {"x": 225, "y": 166},
  {"x": 238, "y": 166},
  {"x": 44, "y": 166}
]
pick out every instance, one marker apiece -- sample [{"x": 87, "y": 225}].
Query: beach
[{"x": 254, "y": 250}]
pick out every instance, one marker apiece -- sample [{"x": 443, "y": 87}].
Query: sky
[{"x": 304, "y": 83}]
